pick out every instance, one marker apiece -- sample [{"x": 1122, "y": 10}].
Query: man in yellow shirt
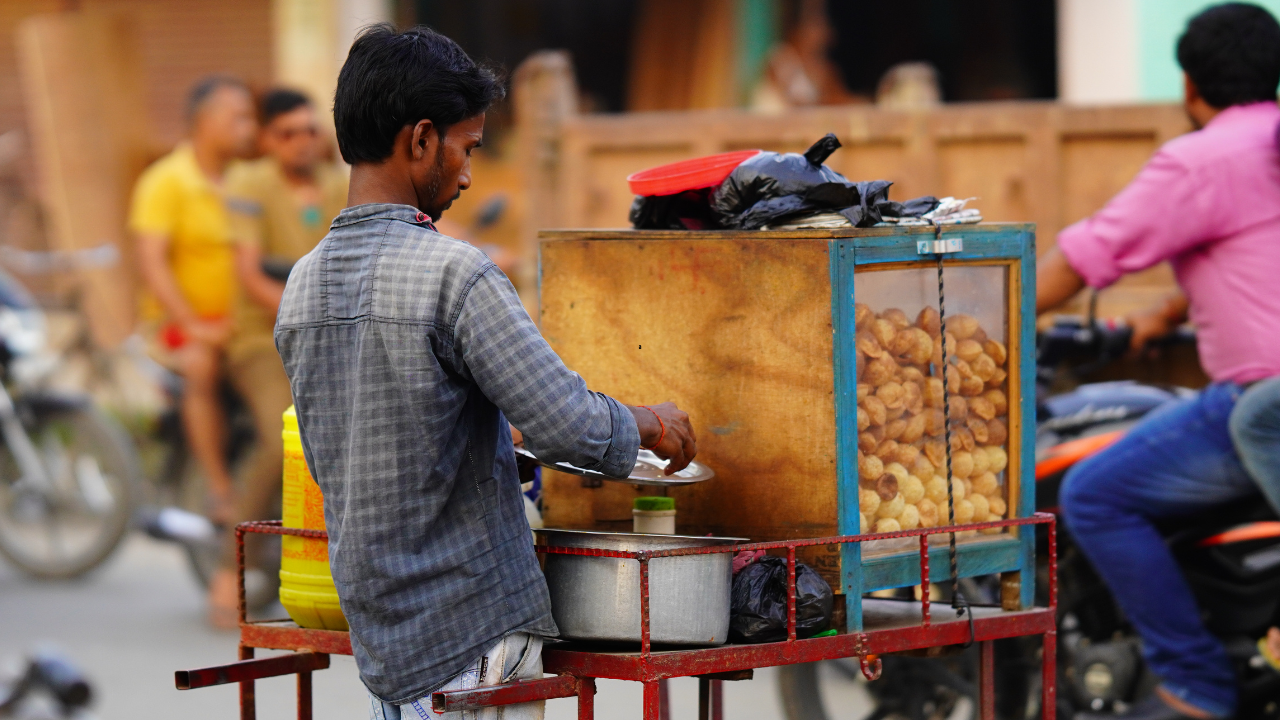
[
  {"x": 188, "y": 264},
  {"x": 279, "y": 208}
]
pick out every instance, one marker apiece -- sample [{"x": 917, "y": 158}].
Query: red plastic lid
[{"x": 685, "y": 175}]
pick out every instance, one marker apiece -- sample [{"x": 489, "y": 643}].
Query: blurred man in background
[
  {"x": 1209, "y": 203},
  {"x": 279, "y": 207},
  {"x": 187, "y": 264}
]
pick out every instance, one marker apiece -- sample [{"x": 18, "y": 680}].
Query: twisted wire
[{"x": 957, "y": 600}]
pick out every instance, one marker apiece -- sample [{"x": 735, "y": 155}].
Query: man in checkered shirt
[{"x": 408, "y": 352}]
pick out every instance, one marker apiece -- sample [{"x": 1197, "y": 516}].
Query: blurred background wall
[{"x": 1041, "y": 108}]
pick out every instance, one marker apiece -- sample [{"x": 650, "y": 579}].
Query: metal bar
[
  {"x": 664, "y": 699},
  {"x": 633, "y": 666},
  {"x": 248, "y": 669},
  {"x": 987, "y": 680},
  {"x": 559, "y": 686},
  {"x": 924, "y": 580},
  {"x": 652, "y": 699},
  {"x": 587, "y": 698},
  {"x": 248, "y": 696},
  {"x": 644, "y": 606},
  {"x": 1049, "y": 679},
  {"x": 791, "y": 594},
  {"x": 1053, "y": 562},
  {"x": 289, "y": 637},
  {"x": 304, "y": 695},
  {"x": 717, "y": 700},
  {"x": 242, "y": 611},
  {"x": 704, "y": 699},
  {"x": 1036, "y": 519},
  {"x": 276, "y": 527}
]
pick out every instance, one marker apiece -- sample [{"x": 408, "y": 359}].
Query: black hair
[
  {"x": 392, "y": 79},
  {"x": 1232, "y": 53},
  {"x": 281, "y": 101},
  {"x": 205, "y": 88}
]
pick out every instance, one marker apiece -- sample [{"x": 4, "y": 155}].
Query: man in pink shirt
[{"x": 1209, "y": 203}]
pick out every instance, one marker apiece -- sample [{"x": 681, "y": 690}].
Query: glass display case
[
  {"x": 914, "y": 431},
  {"x": 811, "y": 365}
]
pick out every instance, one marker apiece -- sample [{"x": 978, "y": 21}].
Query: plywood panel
[
  {"x": 874, "y": 161},
  {"x": 1096, "y": 167},
  {"x": 993, "y": 170},
  {"x": 736, "y": 332}
]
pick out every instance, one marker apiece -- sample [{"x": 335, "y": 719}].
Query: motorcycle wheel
[{"x": 77, "y": 522}]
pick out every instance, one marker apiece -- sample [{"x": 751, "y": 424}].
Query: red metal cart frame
[{"x": 889, "y": 626}]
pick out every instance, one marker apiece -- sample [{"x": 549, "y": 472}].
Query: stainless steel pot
[{"x": 598, "y": 598}]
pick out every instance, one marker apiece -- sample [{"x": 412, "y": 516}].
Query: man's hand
[
  {"x": 677, "y": 444},
  {"x": 1156, "y": 322}
]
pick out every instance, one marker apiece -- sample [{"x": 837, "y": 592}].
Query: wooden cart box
[{"x": 758, "y": 337}]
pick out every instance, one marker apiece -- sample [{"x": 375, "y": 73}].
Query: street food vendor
[{"x": 407, "y": 352}]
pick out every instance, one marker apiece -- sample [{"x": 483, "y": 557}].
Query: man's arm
[
  {"x": 1056, "y": 281},
  {"x": 153, "y": 258},
  {"x": 261, "y": 288},
  {"x": 562, "y": 420}
]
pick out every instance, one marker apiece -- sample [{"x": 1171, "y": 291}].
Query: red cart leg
[
  {"x": 586, "y": 699},
  {"x": 664, "y": 699},
  {"x": 1049, "y": 693},
  {"x": 248, "y": 705},
  {"x": 652, "y": 701},
  {"x": 710, "y": 699},
  {"x": 304, "y": 695},
  {"x": 987, "y": 680}
]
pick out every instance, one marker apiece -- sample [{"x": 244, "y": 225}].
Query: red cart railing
[{"x": 888, "y": 626}]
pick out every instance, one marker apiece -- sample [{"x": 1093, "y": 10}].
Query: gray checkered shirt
[{"x": 407, "y": 352}]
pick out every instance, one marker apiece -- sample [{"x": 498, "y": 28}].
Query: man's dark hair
[
  {"x": 281, "y": 101},
  {"x": 205, "y": 88},
  {"x": 392, "y": 79},
  {"x": 1232, "y": 53}
]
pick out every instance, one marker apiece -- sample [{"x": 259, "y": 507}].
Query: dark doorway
[{"x": 983, "y": 49}]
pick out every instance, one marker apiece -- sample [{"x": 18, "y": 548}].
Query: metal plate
[{"x": 648, "y": 471}]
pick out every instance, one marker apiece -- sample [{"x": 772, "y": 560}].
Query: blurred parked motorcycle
[{"x": 68, "y": 472}]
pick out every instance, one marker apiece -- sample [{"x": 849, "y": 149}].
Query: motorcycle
[
  {"x": 68, "y": 472},
  {"x": 1229, "y": 554}
]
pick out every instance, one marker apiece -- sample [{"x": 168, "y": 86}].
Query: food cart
[{"x": 812, "y": 362}]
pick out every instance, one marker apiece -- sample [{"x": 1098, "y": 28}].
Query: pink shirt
[{"x": 1209, "y": 203}]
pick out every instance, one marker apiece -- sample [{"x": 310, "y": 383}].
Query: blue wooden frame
[{"x": 1012, "y": 244}]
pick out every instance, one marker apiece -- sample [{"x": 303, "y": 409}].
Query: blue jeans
[
  {"x": 517, "y": 656},
  {"x": 1176, "y": 462}
]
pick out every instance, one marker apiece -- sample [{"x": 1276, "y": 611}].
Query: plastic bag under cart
[{"x": 758, "y": 603}]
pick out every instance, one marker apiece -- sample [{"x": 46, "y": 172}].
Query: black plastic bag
[
  {"x": 758, "y": 604},
  {"x": 771, "y": 187},
  {"x": 690, "y": 210}
]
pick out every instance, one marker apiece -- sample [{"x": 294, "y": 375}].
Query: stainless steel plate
[{"x": 648, "y": 471}]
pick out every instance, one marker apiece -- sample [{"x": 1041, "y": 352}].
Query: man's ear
[{"x": 422, "y": 140}]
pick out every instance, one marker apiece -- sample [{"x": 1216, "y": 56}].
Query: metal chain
[{"x": 957, "y": 599}]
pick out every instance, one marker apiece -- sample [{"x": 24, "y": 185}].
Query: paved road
[{"x": 135, "y": 621}]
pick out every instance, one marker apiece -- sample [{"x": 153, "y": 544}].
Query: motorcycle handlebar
[{"x": 1094, "y": 344}]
